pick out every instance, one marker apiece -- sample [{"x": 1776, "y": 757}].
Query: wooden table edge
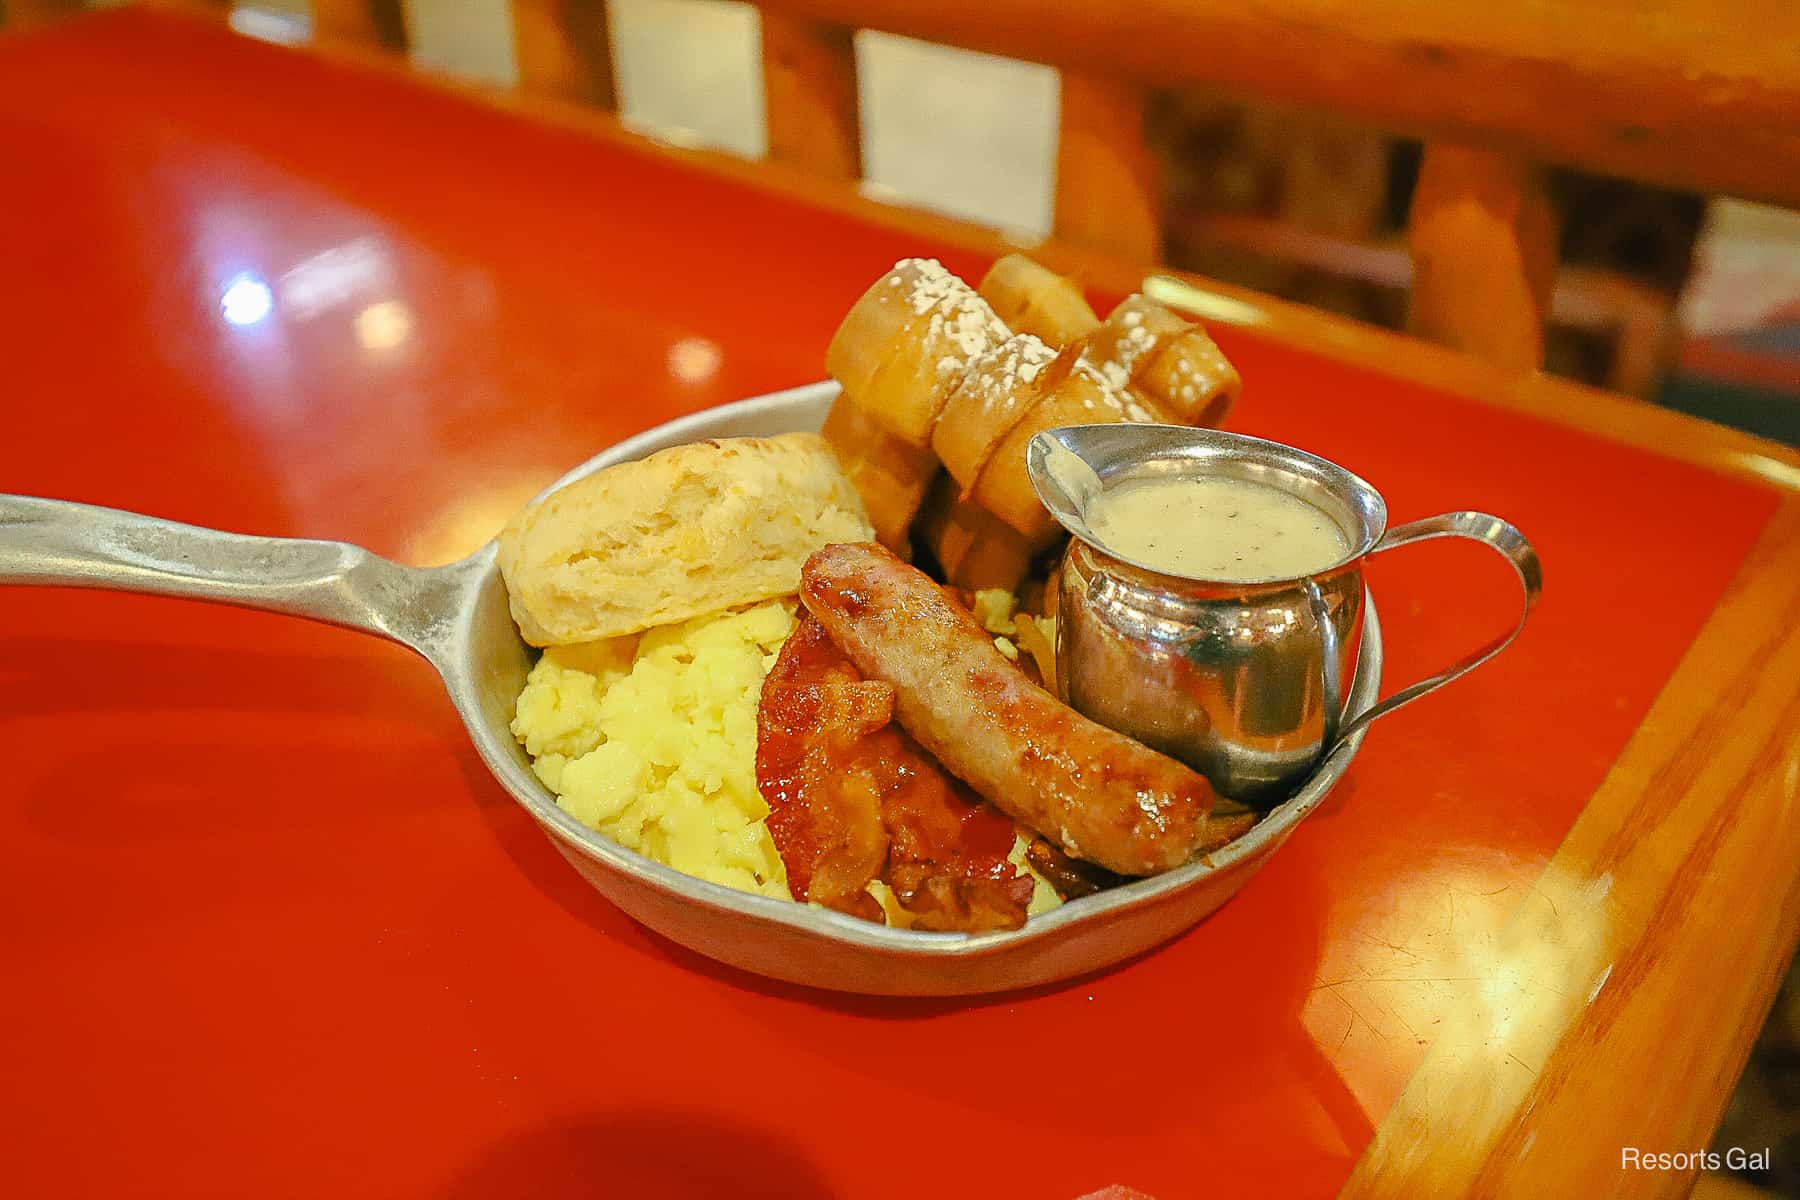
[
  {"x": 1669, "y": 911},
  {"x": 1705, "y": 786}
]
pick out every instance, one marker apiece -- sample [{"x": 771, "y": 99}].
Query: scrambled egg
[
  {"x": 994, "y": 611},
  {"x": 651, "y": 740}
]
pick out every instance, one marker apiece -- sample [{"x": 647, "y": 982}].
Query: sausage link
[{"x": 1095, "y": 792}]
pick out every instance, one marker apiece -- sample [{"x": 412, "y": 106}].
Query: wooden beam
[
  {"x": 1686, "y": 93},
  {"x": 1483, "y": 238},
  {"x": 564, "y": 49},
  {"x": 809, "y": 96},
  {"x": 1108, "y": 183}
]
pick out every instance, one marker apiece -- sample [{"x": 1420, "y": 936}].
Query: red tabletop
[{"x": 271, "y": 929}]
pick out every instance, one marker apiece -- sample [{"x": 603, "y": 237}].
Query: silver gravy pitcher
[{"x": 1243, "y": 681}]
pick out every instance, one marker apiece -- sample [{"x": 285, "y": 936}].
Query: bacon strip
[{"x": 852, "y": 798}]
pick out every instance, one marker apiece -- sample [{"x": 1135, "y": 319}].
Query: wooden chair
[{"x": 1697, "y": 98}]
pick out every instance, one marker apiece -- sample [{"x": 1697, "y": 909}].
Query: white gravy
[{"x": 1230, "y": 530}]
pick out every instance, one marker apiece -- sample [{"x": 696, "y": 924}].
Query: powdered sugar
[
  {"x": 931, "y": 284},
  {"x": 1136, "y": 342},
  {"x": 1014, "y": 363},
  {"x": 965, "y": 338},
  {"x": 1130, "y": 347},
  {"x": 1113, "y": 396},
  {"x": 957, "y": 314},
  {"x": 1115, "y": 375}
]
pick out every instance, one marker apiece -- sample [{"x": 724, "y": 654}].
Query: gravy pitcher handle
[{"x": 1500, "y": 536}]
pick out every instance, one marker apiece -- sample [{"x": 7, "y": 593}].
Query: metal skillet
[{"x": 456, "y": 617}]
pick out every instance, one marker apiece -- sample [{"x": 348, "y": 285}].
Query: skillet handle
[{"x": 58, "y": 543}]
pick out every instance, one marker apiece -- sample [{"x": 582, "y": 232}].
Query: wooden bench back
[{"x": 1695, "y": 94}]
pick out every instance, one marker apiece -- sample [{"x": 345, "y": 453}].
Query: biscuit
[{"x": 690, "y": 530}]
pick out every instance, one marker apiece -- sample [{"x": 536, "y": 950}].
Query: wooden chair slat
[
  {"x": 1483, "y": 238},
  {"x": 564, "y": 49},
  {"x": 379, "y": 23},
  {"x": 810, "y": 96},
  {"x": 1108, "y": 183}
]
